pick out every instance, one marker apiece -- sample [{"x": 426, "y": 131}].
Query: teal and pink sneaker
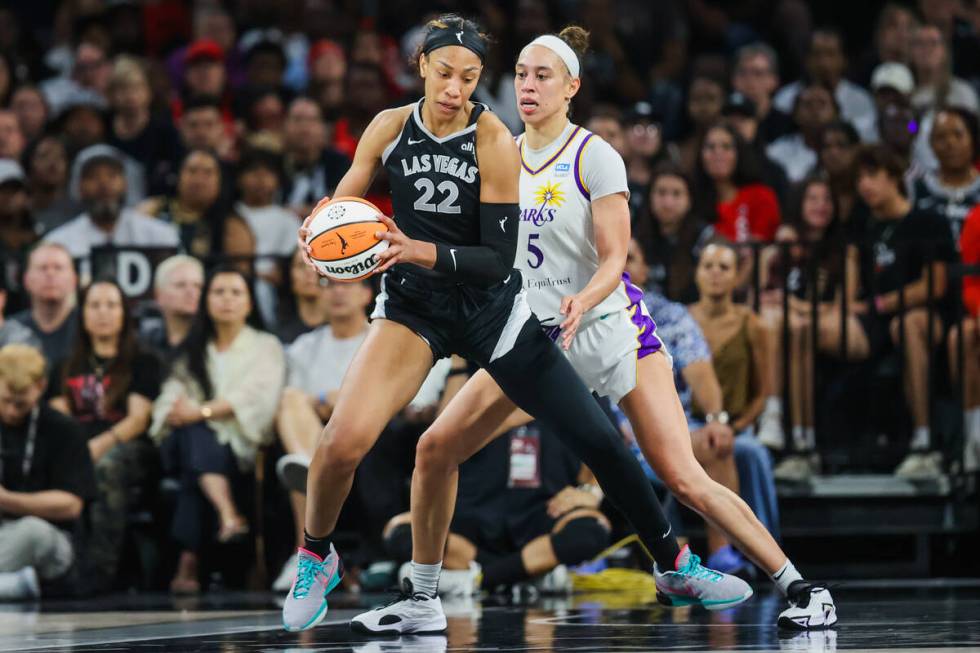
[
  {"x": 306, "y": 603},
  {"x": 694, "y": 584}
]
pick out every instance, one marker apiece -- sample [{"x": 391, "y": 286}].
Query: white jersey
[{"x": 556, "y": 251}]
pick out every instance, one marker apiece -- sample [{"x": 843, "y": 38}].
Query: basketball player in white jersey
[{"x": 574, "y": 236}]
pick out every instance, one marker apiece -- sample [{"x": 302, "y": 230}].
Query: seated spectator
[
  {"x": 807, "y": 259},
  {"x": 81, "y": 121},
  {"x": 50, "y": 281},
  {"x": 327, "y": 72},
  {"x": 796, "y": 152},
  {"x": 274, "y": 226},
  {"x": 898, "y": 247},
  {"x": 825, "y": 65},
  {"x": 515, "y": 521},
  {"x": 671, "y": 235},
  {"x": 738, "y": 340},
  {"x": 953, "y": 189},
  {"x": 969, "y": 333},
  {"x": 201, "y": 127},
  {"x": 47, "y": 172},
  {"x": 177, "y": 289},
  {"x": 838, "y": 148},
  {"x": 705, "y": 99},
  {"x": 31, "y": 109},
  {"x": 740, "y": 113},
  {"x": 12, "y": 140},
  {"x": 108, "y": 386},
  {"x": 17, "y": 231},
  {"x": 607, "y": 122},
  {"x": 891, "y": 83},
  {"x": 715, "y": 445},
  {"x": 90, "y": 72},
  {"x": 215, "y": 410},
  {"x": 106, "y": 221},
  {"x": 310, "y": 306},
  {"x": 150, "y": 140},
  {"x": 12, "y": 332},
  {"x": 756, "y": 76},
  {"x": 204, "y": 74},
  {"x": 728, "y": 192},
  {"x": 646, "y": 147},
  {"x": 890, "y": 43},
  {"x": 317, "y": 362},
  {"x": 42, "y": 493},
  {"x": 312, "y": 169},
  {"x": 196, "y": 208}
]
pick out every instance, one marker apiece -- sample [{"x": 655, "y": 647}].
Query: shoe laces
[
  {"x": 694, "y": 569},
  {"x": 308, "y": 570},
  {"x": 405, "y": 592},
  {"x": 801, "y": 597}
]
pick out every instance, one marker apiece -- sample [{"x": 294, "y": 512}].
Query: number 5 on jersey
[{"x": 535, "y": 251}]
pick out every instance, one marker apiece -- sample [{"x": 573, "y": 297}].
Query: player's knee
[
  {"x": 345, "y": 445},
  {"x": 432, "y": 452},
  {"x": 398, "y": 542},
  {"x": 579, "y": 540}
]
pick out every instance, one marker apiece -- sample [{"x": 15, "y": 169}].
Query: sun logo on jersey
[{"x": 550, "y": 194}]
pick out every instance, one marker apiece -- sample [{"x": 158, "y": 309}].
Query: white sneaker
[
  {"x": 21, "y": 585},
  {"x": 770, "y": 432},
  {"x": 796, "y": 468},
  {"x": 811, "y": 607},
  {"x": 284, "y": 581},
  {"x": 461, "y": 582},
  {"x": 292, "y": 470},
  {"x": 556, "y": 582},
  {"x": 411, "y": 613},
  {"x": 921, "y": 466}
]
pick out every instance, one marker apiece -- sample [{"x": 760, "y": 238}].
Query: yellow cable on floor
[{"x": 615, "y": 579}]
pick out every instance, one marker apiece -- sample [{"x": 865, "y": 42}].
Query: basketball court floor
[{"x": 880, "y": 616}]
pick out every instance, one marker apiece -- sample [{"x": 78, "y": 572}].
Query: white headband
[{"x": 562, "y": 49}]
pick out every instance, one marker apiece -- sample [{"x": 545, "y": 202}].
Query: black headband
[{"x": 467, "y": 38}]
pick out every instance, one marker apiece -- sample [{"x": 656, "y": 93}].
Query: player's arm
[{"x": 493, "y": 259}]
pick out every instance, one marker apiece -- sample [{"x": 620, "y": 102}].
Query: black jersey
[{"x": 435, "y": 183}]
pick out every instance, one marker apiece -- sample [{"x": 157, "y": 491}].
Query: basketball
[{"x": 342, "y": 238}]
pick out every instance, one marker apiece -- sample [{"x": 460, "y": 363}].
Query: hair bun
[{"x": 577, "y": 39}]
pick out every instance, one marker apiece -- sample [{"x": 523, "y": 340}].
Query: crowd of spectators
[{"x": 805, "y": 207}]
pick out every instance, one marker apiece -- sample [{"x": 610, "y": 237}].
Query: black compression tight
[{"x": 536, "y": 376}]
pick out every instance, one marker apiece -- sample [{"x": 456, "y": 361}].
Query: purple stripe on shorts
[
  {"x": 647, "y": 336},
  {"x": 577, "y": 172}
]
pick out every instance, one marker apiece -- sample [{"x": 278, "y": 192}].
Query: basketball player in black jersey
[{"x": 449, "y": 287}]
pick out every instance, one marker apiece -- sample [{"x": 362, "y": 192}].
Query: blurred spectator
[
  {"x": 310, "y": 306},
  {"x": 274, "y": 226},
  {"x": 264, "y": 57},
  {"x": 196, "y": 209},
  {"x": 47, "y": 170},
  {"x": 32, "y": 111},
  {"x": 106, "y": 221},
  {"x": 328, "y": 70},
  {"x": 954, "y": 188},
  {"x": 756, "y": 76},
  {"x": 204, "y": 74},
  {"x": 671, "y": 235},
  {"x": 6, "y": 78},
  {"x": 705, "y": 99},
  {"x": 365, "y": 95},
  {"x": 12, "y": 332},
  {"x": 81, "y": 120},
  {"x": 46, "y": 477},
  {"x": 727, "y": 190},
  {"x": 12, "y": 141},
  {"x": 646, "y": 148},
  {"x": 898, "y": 247},
  {"x": 177, "y": 285},
  {"x": 312, "y": 169},
  {"x": 215, "y": 410},
  {"x": 936, "y": 86},
  {"x": 108, "y": 386},
  {"x": 150, "y": 140},
  {"x": 90, "y": 72},
  {"x": 738, "y": 340},
  {"x": 839, "y": 142},
  {"x": 814, "y": 108},
  {"x": 825, "y": 65},
  {"x": 806, "y": 260},
  {"x": 201, "y": 127},
  {"x": 740, "y": 112},
  {"x": 17, "y": 231},
  {"x": 969, "y": 332},
  {"x": 50, "y": 281},
  {"x": 211, "y": 24},
  {"x": 892, "y": 36},
  {"x": 606, "y": 122}
]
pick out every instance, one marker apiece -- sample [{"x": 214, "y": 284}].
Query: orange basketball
[{"x": 342, "y": 238}]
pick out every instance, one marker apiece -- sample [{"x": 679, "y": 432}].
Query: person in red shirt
[
  {"x": 970, "y": 330},
  {"x": 728, "y": 189}
]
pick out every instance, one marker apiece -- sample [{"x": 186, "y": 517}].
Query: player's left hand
[
  {"x": 573, "y": 309},
  {"x": 401, "y": 248}
]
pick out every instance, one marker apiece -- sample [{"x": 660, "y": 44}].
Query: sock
[
  {"x": 786, "y": 576},
  {"x": 774, "y": 405},
  {"x": 317, "y": 545},
  {"x": 920, "y": 438},
  {"x": 425, "y": 578},
  {"x": 504, "y": 571}
]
